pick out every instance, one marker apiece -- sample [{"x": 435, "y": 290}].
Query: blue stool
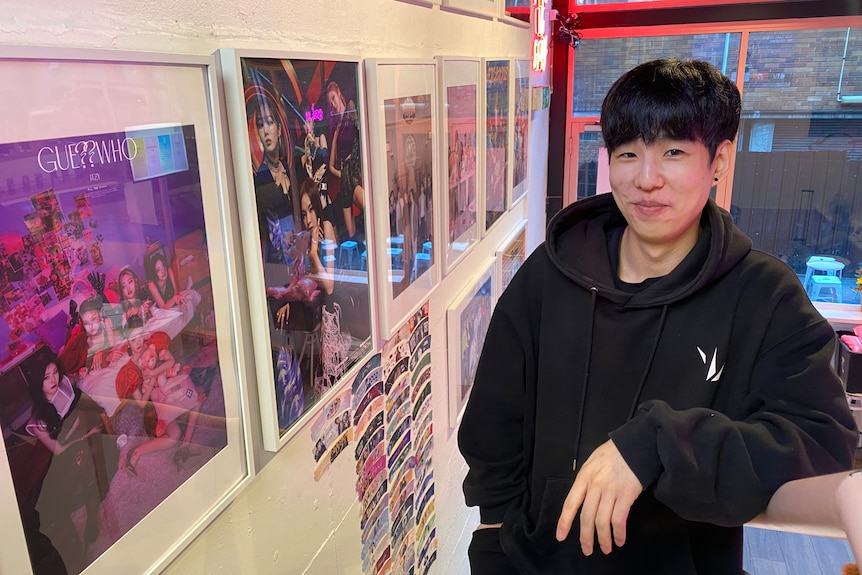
[
  {"x": 349, "y": 247},
  {"x": 424, "y": 259},
  {"x": 426, "y": 247},
  {"x": 364, "y": 259},
  {"x": 395, "y": 256},
  {"x": 828, "y": 283}
]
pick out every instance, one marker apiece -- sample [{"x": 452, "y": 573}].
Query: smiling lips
[{"x": 649, "y": 208}]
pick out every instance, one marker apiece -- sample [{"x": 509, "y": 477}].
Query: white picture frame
[
  {"x": 403, "y": 135},
  {"x": 496, "y": 112},
  {"x": 167, "y": 104},
  {"x": 510, "y": 256},
  {"x": 520, "y": 130},
  {"x": 467, "y": 321},
  {"x": 460, "y": 153},
  {"x": 298, "y": 361}
]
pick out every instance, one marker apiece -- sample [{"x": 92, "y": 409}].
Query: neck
[
  {"x": 273, "y": 163},
  {"x": 640, "y": 261}
]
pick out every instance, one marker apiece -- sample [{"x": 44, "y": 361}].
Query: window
[
  {"x": 797, "y": 186},
  {"x": 797, "y": 181}
]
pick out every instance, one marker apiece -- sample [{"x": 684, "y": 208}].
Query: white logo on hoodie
[{"x": 711, "y": 374}]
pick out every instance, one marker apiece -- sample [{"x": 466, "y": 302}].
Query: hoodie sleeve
[
  {"x": 709, "y": 467},
  {"x": 491, "y": 435}
]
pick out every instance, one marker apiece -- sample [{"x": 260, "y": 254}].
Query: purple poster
[{"x": 111, "y": 388}]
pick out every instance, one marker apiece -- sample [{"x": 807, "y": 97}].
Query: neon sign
[
  {"x": 540, "y": 38},
  {"x": 315, "y": 114}
]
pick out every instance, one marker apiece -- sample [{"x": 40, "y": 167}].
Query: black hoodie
[{"x": 714, "y": 383}]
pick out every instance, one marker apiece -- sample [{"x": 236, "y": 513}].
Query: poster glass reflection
[{"x": 403, "y": 120}]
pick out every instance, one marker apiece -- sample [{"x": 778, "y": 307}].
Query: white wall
[{"x": 284, "y": 522}]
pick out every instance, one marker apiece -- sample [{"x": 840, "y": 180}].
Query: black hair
[
  {"x": 90, "y": 304},
  {"x": 133, "y": 322},
  {"x": 683, "y": 100},
  {"x": 309, "y": 187},
  {"x": 150, "y": 265},
  {"x": 34, "y": 374}
]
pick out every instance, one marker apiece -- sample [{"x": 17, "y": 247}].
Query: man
[{"x": 648, "y": 381}]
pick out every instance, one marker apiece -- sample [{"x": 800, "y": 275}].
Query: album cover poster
[{"x": 112, "y": 389}]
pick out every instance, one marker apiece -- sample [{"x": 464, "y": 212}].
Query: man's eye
[{"x": 674, "y": 152}]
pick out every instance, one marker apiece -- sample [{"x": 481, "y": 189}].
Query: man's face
[{"x": 661, "y": 188}]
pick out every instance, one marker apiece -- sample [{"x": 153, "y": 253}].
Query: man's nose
[{"x": 649, "y": 175}]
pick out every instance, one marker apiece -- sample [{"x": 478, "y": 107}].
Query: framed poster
[
  {"x": 459, "y": 129},
  {"x": 119, "y": 367},
  {"x": 467, "y": 321},
  {"x": 511, "y": 255},
  {"x": 488, "y": 8},
  {"x": 402, "y": 114},
  {"x": 297, "y": 141},
  {"x": 497, "y": 74},
  {"x": 520, "y": 129}
]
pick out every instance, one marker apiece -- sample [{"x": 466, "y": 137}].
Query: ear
[{"x": 721, "y": 162}]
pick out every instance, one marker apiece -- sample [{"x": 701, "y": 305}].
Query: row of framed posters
[
  {"x": 124, "y": 319},
  {"x": 356, "y": 199},
  {"x": 119, "y": 365}
]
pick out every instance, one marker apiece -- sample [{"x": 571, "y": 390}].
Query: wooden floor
[{"x": 779, "y": 553}]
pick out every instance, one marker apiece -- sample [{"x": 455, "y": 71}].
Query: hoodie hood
[{"x": 577, "y": 245}]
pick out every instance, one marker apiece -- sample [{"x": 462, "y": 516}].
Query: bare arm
[
  {"x": 142, "y": 394},
  {"x": 325, "y": 273},
  {"x": 826, "y": 506},
  {"x": 157, "y": 297},
  {"x": 333, "y": 153},
  {"x": 54, "y": 445}
]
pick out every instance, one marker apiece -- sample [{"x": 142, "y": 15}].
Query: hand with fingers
[{"x": 604, "y": 490}]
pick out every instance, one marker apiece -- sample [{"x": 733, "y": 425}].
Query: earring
[{"x": 715, "y": 179}]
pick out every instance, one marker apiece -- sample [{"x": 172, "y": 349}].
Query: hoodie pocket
[{"x": 542, "y": 537}]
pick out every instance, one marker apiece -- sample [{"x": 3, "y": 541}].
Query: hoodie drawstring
[
  {"x": 594, "y": 291},
  {"x": 593, "y": 296},
  {"x": 640, "y": 388}
]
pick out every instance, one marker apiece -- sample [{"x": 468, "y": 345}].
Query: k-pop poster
[
  {"x": 410, "y": 174},
  {"x": 496, "y": 138},
  {"x": 310, "y": 193},
  {"x": 520, "y": 128},
  {"x": 112, "y": 393},
  {"x": 467, "y": 321},
  {"x": 460, "y": 113}
]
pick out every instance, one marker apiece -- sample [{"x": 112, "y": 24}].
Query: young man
[{"x": 648, "y": 380}]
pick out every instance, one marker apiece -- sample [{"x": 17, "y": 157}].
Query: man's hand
[{"x": 604, "y": 490}]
